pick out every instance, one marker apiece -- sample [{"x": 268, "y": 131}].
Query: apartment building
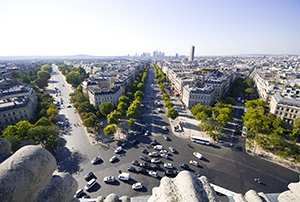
[
  {"x": 17, "y": 103},
  {"x": 285, "y": 108},
  {"x": 97, "y": 95},
  {"x": 192, "y": 96}
]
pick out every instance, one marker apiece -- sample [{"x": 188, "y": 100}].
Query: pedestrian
[{"x": 120, "y": 171}]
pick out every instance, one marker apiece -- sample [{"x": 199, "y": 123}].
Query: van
[
  {"x": 124, "y": 176},
  {"x": 158, "y": 147},
  {"x": 90, "y": 184}
]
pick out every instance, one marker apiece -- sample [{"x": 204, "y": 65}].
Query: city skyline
[{"x": 119, "y": 28}]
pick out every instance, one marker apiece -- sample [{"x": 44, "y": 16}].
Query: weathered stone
[
  {"x": 61, "y": 188},
  {"x": 184, "y": 187},
  {"x": 292, "y": 195},
  {"x": 239, "y": 198},
  {"x": 100, "y": 199},
  {"x": 125, "y": 199},
  {"x": 5, "y": 146},
  {"x": 25, "y": 173},
  {"x": 252, "y": 196},
  {"x": 112, "y": 198}
]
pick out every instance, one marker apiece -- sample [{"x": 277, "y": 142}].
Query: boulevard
[{"x": 228, "y": 167}]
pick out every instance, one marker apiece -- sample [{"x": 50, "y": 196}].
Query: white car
[
  {"x": 95, "y": 160},
  {"x": 109, "y": 179},
  {"x": 153, "y": 174},
  {"x": 197, "y": 155},
  {"x": 158, "y": 147},
  {"x": 164, "y": 128},
  {"x": 90, "y": 184},
  {"x": 172, "y": 149},
  {"x": 159, "y": 110},
  {"x": 153, "y": 154},
  {"x": 166, "y": 156},
  {"x": 168, "y": 165},
  {"x": 137, "y": 185},
  {"x": 195, "y": 163},
  {"x": 118, "y": 150},
  {"x": 147, "y": 133},
  {"x": 164, "y": 151},
  {"x": 112, "y": 159},
  {"x": 156, "y": 160}
]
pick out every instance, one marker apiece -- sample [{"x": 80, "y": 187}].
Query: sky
[{"x": 122, "y": 27}]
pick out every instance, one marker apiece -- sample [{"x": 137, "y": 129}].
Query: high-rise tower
[{"x": 191, "y": 58}]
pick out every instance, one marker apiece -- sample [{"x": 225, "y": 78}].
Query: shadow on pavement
[{"x": 95, "y": 188}]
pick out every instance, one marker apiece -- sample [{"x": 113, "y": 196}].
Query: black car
[
  {"x": 90, "y": 176},
  {"x": 153, "y": 143},
  {"x": 131, "y": 169},
  {"x": 146, "y": 165},
  {"x": 142, "y": 171},
  {"x": 136, "y": 163},
  {"x": 145, "y": 151},
  {"x": 184, "y": 166},
  {"x": 170, "y": 173},
  {"x": 155, "y": 167},
  {"x": 121, "y": 143},
  {"x": 134, "y": 141},
  {"x": 144, "y": 158}
]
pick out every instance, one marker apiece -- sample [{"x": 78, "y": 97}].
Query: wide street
[{"x": 230, "y": 168}]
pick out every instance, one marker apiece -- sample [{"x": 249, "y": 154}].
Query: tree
[
  {"x": 130, "y": 122},
  {"x": 106, "y": 108},
  {"x": 122, "y": 107},
  {"x": 85, "y": 107},
  {"x": 43, "y": 122},
  {"x": 141, "y": 87},
  {"x": 113, "y": 117},
  {"x": 73, "y": 78},
  {"x": 161, "y": 87},
  {"x": 129, "y": 95},
  {"x": 124, "y": 99},
  {"x": 90, "y": 120},
  {"x": 229, "y": 100},
  {"x": 41, "y": 83},
  {"x": 110, "y": 130},
  {"x": 214, "y": 130},
  {"x": 168, "y": 104},
  {"x": 134, "y": 110},
  {"x": 172, "y": 113},
  {"x": 47, "y": 68},
  {"x": 165, "y": 97},
  {"x": 225, "y": 115},
  {"x": 43, "y": 75},
  {"x": 23, "y": 127},
  {"x": 297, "y": 122},
  {"x": 139, "y": 94},
  {"x": 14, "y": 140}
]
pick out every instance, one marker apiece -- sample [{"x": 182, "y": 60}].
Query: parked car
[
  {"x": 153, "y": 154},
  {"x": 136, "y": 163},
  {"x": 194, "y": 163},
  {"x": 118, "y": 150},
  {"x": 112, "y": 159},
  {"x": 79, "y": 193},
  {"x": 170, "y": 173},
  {"x": 124, "y": 176},
  {"x": 90, "y": 184},
  {"x": 167, "y": 138},
  {"x": 144, "y": 158},
  {"x": 153, "y": 143},
  {"x": 147, "y": 133},
  {"x": 165, "y": 128},
  {"x": 95, "y": 160},
  {"x": 109, "y": 179},
  {"x": 146, "y": 165},
  {"x": 137, "y": 185},
  {"x": 197, "y": 155},
  {"x": 158, "y": 147},
  {"x": 146, "y": 125},
  {"x": 142, "y": 171},
  {"x": 155, "y": 167},
  {"x": 153, "y": 174},
  {"x": 166, "y": 156},
  {"x": 168, "y": 165},
  {"x": 197, "y": 175},
  {"x": 155, "y": 160},
  {"x": 90, "y": 176},
  {"x": 131, "y": 169},
  {"x": 134, "y": 141},
  {"x": 164, "y": 151},
  {"x": 172, "y": 149},
  {"x": 145, "y": 151},
  {"x": 184, "y": 166}
]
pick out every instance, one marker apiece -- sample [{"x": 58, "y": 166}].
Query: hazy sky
[{"x": 121, "y": 27}]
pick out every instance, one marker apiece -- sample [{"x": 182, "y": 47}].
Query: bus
[{"x": 200, "y": 140}]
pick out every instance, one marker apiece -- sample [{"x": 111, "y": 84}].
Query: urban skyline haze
[{"x": 118, "y": 28}]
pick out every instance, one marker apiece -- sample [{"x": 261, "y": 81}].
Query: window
[{"x": 292, "y": 110}]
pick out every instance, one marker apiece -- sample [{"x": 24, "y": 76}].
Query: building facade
[
  {"x": 192, "y": 96},
  {"x": 97, "y": 95}
]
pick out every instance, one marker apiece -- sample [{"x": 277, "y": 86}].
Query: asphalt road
[{"x": 227, "y": 167}]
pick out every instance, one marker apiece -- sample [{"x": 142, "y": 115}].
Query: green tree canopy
[
  {"x": 110, "y": 130},
  {"x": 124, "y": 99},
  {"x": 139, "y": 94},
  {"x": 47, "y": 68},
  {"x": 122, "y": 107},
  {"x": 43, "y": 75},
  {"x": 229, "y": 100},
  {"x": 168, "y": 104},
  {"x": 165, "y": 97},
  {"x": 43, "y": 122},
  {"x": 130, "y": 122},
  {"x": 73, "y": 78},
  {"x": 172, "y": 113},
  {"x": 106, "y": 107},
  {"x": 41, "y": 83}
]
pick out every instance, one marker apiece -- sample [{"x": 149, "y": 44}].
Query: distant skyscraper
[{"x": 191, "y": 58}]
